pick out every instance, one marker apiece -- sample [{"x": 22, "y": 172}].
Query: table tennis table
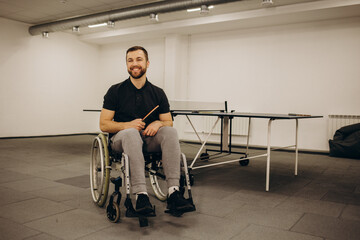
[{"x": 226, "y": 134}]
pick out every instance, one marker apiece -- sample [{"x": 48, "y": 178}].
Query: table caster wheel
[
  {"x": 204, "y": 156},
  {"x": 244, "y": 162}
]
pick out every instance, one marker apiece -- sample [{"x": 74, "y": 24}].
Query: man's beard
[{"x": 142, "y": 72}]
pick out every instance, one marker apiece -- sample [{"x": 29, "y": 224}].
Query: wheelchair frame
[{"x": 103, "y": 160}]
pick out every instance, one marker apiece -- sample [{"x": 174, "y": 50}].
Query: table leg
[
  {"x": 268, "y": 156},
  {"x": 248, "y": 138},
  {"x": 296, "y": 147},
  {"x": 203, "y": 144}
]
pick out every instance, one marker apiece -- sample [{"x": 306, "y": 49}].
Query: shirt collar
[{"x": 143, "y": 87}]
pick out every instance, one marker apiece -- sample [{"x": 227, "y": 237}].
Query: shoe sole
[
  {"x": 183, "y": 208},
  {"x": 145, "y": 211}
]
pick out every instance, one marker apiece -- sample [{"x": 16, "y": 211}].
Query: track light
[
  {"x": 97, "y": 25},
  {"x": 267, "y": 3},
  {"x": 203, "y": 9},
  {"x": 154, "y": 17},
  {"x": 76, "y": 29},
  {"x": 111, "y": 24},
  {"x": 45, "y": 34}
]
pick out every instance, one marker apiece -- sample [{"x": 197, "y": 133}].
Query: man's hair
[{"x": 135, "y": 48}]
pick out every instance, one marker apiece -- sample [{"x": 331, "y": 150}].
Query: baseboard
[
  {"x": 54, "y": 135},
  {"x": 258, "y": 147}
]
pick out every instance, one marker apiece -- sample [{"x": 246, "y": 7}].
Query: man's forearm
[
  {"x": 166, "y": 123},
  {"x": 112, "y": 126}
]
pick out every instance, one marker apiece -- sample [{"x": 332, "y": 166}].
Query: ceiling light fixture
[
  {"x": 76, "y": 29},
  {"x": 154, "y": 17},
  {"x": 45, "y": 34},
  {"x": 267, "y": 3},
  {"x": 111, "y": 24},
  {"x": 204, "y": 10},
  {"x": 97, "y": 25},
  {"x": 200, "y": 8}
]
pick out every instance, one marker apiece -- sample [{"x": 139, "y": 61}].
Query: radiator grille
[{"x": 337, "y": 121}]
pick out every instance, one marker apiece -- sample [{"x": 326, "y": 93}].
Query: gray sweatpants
[{"x": 132, "y": 142}]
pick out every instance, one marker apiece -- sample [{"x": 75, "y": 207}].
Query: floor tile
[
  {"x": 57, "y": 174},
  {"x": 61, "y": 193},
  {"x": 312, "y": 206},
  {"x": 342, "y": 197},
  {"x": 82, "y": 181},
  {"x": 201, "y": 226},
  {"x": 328, "y": 227},
  {"x": 31, "y": 184},
  {"x": 258, "y": 198},
  {"x": 43, "y": 236},
  {"x": 254, "y": 232},
  {"x": 119, "y": 232},
  {"x": 31, "y": 209},
  {"x": 351, "y": 212},
  {"x": 311, "y": 192},
  {"x": 10, "y": 176},
  {"x": 216, "y": 207},
  {"x": 10, "y": 196},
  {"x": 15, "y": 231},
  {"x": 271, "y": 217},
  {"x": 71, "y": 224},
  {"x": 29, "y": 168}
]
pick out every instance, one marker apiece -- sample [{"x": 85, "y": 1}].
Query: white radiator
[
  {"x": 204, "y": 124},
  {"x": 337, "y": 121}
]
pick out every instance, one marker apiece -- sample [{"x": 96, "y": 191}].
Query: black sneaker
[
  {"x": 176, "y": 201},
  {"x": 143, "y": 205}
]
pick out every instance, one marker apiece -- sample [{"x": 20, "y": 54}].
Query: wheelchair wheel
[
  {"x": 157, "y": 180},
  {"x": 113, "y": 212},
  {"x": 99, "y": 170}
]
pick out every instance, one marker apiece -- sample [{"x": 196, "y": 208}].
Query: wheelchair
[{"x": 104, "y": 160}]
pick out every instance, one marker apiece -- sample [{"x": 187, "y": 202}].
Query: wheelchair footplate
[
  {"x": 143, "y": 217},
  {"x": 178, "y": 213},
  {"x": 113, "y": 210}
]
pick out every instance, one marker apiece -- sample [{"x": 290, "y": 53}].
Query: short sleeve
[
  {"x": 110, "y": 99},
  {"x": 164, "y": 103}
]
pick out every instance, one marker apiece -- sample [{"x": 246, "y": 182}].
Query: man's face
[{"x": 136, "y": 63}]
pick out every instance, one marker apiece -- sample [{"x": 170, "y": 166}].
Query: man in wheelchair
[{"x": 136, "y": 114}]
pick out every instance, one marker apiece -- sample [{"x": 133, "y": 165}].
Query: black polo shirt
[{"x": 130, "y": 103}]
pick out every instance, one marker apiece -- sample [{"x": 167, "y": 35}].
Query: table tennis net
[{"x": 185, "y": 105}]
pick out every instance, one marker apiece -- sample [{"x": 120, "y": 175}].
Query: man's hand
[
  {"x": 138, "y": 124},
  {"x": 152, "y": 128}
]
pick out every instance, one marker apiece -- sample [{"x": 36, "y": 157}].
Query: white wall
[
  {"x": 45, "y": 83},
  {"x": 310, "y": 68},
  {"x": 303, "y": 68}
]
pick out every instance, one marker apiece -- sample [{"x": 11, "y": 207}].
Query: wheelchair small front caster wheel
[
  {"x": 113, "y": 212},
  {"x": 244, "y": 162}
]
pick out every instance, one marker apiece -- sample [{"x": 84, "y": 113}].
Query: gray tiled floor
[{"x": 45, "y": 195}]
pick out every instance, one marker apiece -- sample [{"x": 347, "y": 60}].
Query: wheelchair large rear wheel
[
  {"x": 99, "y": 170},
  {"x": 157, "y": 180}
]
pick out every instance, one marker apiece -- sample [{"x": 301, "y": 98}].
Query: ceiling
[
  {"x": 42, "y": 11},
  {"x": 241, "y": 14}
]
